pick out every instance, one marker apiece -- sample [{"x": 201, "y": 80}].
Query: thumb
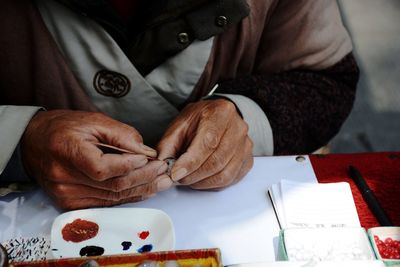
[{"x": 173, "y": 142}]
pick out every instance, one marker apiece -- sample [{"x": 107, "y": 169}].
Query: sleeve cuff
[
  {"x": 13, "y": 121},
  {"x": 260, "y": 131},
  {"x": 14, "y": 170}
]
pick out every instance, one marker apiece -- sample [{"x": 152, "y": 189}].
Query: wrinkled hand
[
  {"x": 210, "y": 141},
  {"x": 58, "y": 150}
]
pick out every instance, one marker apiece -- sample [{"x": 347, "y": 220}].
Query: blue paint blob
[
  {"x": 145, "y": 248},
  {"x": 126, "y": 245}
]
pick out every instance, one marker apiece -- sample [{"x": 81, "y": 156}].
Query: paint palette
[{"x": 110, "y": 231}]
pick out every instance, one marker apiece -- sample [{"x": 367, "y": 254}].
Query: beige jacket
[{"x": 277, "y": 36}]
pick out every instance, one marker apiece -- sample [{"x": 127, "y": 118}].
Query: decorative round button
[
  {"x": 183, "y": 38},
  {"x": 221, "y": 21},
  {"x": 111, "y": 83}
]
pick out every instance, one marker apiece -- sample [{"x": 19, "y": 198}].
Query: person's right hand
[{"x": 59, "y": 151}]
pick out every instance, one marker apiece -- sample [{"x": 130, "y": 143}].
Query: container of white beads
[
  {"x": 325, "y": 244},
  {"x": 385, "y": 241}
]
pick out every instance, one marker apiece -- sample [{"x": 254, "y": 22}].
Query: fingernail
[
  {"x": 149, "y": 149},
  {"x": 164, "y": 184},
  {"x": 163, "y": 169},
  {"x": 178, "y": 174}
]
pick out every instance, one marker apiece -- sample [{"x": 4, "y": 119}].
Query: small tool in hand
[
  {"x": 109, "y": 149},
  {"x": 170, "y": 162},
  {"x": 116, "y": 150}
]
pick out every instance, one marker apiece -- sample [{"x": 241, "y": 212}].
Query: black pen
[{"x": 369, "y": 197}]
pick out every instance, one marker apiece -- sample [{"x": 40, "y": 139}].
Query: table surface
[{"x": 239, "y": 220}]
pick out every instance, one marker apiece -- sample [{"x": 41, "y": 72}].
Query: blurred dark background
[{"x": 374, "y": 124}]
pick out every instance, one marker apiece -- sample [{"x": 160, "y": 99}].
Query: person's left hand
[{"x": 210, "y": 142}]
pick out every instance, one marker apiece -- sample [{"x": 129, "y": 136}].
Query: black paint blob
[
  {"x": 126, "y": 245},
  {"x": 91, "y": 251},
  {"x": 145, "y": 248}
]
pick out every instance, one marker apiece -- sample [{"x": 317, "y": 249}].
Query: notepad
[{"x": 313, "y": 204}]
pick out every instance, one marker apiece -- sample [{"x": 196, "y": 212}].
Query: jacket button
[
  {"x": 221, "y": 21},
  {"x": 183, "y": 38}
]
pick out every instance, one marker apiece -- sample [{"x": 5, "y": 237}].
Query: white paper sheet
[
  {"x": 239, "y": 220},
  {"x": 317, "y": 205}
]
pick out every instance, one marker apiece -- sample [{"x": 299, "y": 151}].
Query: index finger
[
  {"x": 99, "y": 166},
  {"x": 121, "y": 135},
  {"x": 205, "y": 142}
]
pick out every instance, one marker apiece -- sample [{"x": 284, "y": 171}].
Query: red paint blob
[
  {"x": 79, "y": 230},
  {"x": 144, "y": 234}
]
